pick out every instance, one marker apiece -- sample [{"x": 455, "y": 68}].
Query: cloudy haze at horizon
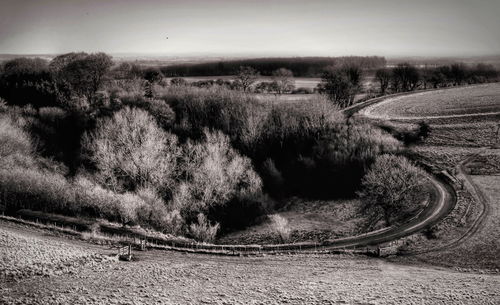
[{"x": 288, "y": 28}]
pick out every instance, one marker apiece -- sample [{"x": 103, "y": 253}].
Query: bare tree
[
  {"x": 341, "y": 85},
  {"x": 246, "y": 77},
  {"x": 383, "y": 76},
  {"x": 215, "y": 173},
  {"x": 283, "y": 78},
  {"x": 84, "y": 73},
  {"x": 391, "y": 187},
  {"x": 405, "y": 77},
  {"x": 129, "y": 151}
]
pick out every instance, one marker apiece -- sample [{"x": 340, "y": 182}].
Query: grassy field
[
  {"x": 467, "y": 100},
  {"x": 159, "y": 277},
  {"x": 300, "y": 82}
]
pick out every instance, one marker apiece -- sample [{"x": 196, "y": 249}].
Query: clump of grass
[{"x": 280, "y": 225}]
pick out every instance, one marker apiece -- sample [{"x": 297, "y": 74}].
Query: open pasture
[{"x": 300, "y": 82}]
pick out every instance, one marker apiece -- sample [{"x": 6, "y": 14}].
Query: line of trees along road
[{"x": 406, "y": 77}]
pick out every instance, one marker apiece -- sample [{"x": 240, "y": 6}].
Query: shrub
[
  {"x": 424, "y": 129},
  {"x": 215, "y": 174},
  {"x": 272, "y": 177},
  {"x": 303, "y": 90},
  {"x": 245, "y": 77},
  {"x": 214, "y": 108},
  {"x": 203, "y": 231},
  {"x": 162, "y": 112},
  {"x": 13, "y": 140},
  {"x": 241, "y": 211},
  {"x": 154, "y": 212},
  {"x": 177, "y": 81},
  {"x": 130, "y": 151},
  {"x": 283, "y": 80},
  {"x": 405, "y": 77},
  {"x": 153, "y": 75},
  {"x": 316, "y": 153},
  {"x": 280, "y": 225}
]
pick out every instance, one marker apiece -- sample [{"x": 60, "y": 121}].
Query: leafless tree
[
  {"x": 283, "y": 78},
  {"x": 392, "y": 187},
  {"x": 383, "y": 76},
  {"x": 246, "y": 77},
  {"x": 129, "y": 150}
]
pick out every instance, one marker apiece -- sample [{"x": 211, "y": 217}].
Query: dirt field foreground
[{"x": 161, "y": 277}]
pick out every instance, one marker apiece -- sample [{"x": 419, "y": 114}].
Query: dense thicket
[
  {"x": 300, "y": 66},
  {"x": 179, "y": 159},
  {"x": 303, "y": 151}
]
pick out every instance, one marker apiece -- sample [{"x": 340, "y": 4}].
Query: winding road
[
  {"x": 441, "y": 202},
  {"x": 444, "y": 199}
]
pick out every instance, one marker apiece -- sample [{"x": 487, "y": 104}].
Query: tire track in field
[{"x": 478, "y": 222}]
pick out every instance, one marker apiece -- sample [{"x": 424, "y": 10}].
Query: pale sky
[{"x": 259, "y": 27}]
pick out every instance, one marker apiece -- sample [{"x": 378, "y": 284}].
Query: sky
[{"x": 254, "y": 28}]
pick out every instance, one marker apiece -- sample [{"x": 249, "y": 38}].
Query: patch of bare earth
[
  {"x": 26, "y": 255},
  {"x": 162, "y": 277}
]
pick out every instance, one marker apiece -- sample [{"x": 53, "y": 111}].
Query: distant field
[
  {"x": 304, "y": 82},
  {"x": 300, "y": 82},
  {"x": 470, "y": 100}
]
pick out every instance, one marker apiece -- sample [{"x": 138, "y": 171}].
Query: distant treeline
[
  {"x": 407, "y": 77},
  {"x": 300, "y": 66}
]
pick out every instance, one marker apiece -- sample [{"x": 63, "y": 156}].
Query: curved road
[{"x": 441, "y": 202}]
